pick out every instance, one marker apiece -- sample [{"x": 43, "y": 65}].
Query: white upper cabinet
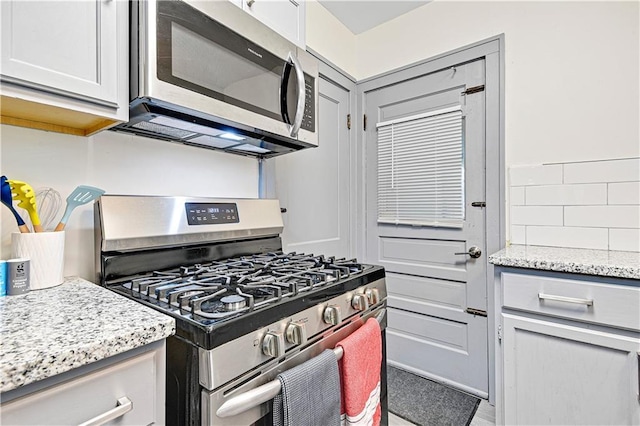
[
  {"x": 286, "y": 17},
  {"x": 70, "y": 55},
  {"x": 61, "y": 46}
]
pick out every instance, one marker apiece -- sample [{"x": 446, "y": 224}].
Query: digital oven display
[{"x": 211, "y": 213}]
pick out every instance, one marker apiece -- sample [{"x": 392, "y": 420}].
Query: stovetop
[
  {"x": 216, "y": 301},
  {"x": 215, "y": 265}
]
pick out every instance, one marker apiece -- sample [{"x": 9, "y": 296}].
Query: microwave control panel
[{"x": 309, "y": 117}]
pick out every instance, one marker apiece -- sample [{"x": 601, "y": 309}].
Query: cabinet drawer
[
  {"x": 606, "y": 304},
  {"x": 79, "y": 400}
]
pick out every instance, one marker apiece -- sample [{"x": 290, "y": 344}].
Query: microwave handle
[{"x": 297, "y": 120}]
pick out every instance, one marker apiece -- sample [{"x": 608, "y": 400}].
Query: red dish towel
[{"x": 360, "y": 375}]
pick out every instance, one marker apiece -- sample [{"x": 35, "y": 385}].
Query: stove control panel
[
  {"x": 211, "y": 213},
  {"x": 274, "y": 342}
]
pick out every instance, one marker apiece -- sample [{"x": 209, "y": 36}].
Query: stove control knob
[
  {"x": 296, "y": 333},
  {"x": 273, "y": 344},
  {"x": 373, "y": 295},
  {"x": 331, "y": 315},
  {"x": 360, "y": 302}
]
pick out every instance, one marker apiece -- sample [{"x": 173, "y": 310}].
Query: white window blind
[{"x": 421, "y": 169}]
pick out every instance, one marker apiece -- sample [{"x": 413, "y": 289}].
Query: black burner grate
[{"x": 229, "y": 288}]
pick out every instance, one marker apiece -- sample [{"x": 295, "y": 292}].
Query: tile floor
[{"x": 485, "y": 416}]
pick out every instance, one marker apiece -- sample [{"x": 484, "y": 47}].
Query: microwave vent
[{"x": 163, "y": 130}]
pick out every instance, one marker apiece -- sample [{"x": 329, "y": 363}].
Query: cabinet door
[
  {"x": 560, "y": 374},
  {"x": 87, "y": 397},
  {"x": 65, "y": 47},
  {"x": 286, "y": 17}
]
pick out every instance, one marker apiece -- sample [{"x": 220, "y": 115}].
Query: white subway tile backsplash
[
  {"x": 559, "y": 236},
  {"x": 624, "y": 239},
  {"x": 535, "y": 175},
  {"x": 518, "y": 235},
  {"x": 602, "y": 216},
  {"x": 534, "y": 215},
  {"x": 603, "y": 171},
  {"x": 566, "y": 195},
  {"x": 592, "y": 204},
  {"x": 624, "y": 193},
  {"x": 516, "y": 196}
]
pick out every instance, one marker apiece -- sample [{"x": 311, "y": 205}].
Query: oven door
[
  {"x": 209, "y": 66},
  {"x": 261, "y": 414}
]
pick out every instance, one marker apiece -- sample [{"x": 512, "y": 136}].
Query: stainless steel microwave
[{"x": 206, "y": 73}]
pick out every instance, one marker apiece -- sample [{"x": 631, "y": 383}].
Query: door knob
[
  {"x": 250, "y": 2},
  {"x": 474, "y": 252}
]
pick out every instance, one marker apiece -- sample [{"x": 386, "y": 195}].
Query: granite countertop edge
[
  {"x": 605, "y": 263},
  {"x": 50, "y": 331}
]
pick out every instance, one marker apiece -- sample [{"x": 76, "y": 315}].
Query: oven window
[{"x": 200, "y": 54}]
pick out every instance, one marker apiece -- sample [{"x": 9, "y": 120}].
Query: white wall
[
  {"x": 572, "y": 90},
  {"x": 330, "y": 38},
  {"x": 120, "y": 164}
]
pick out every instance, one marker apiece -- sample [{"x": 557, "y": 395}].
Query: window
[{"x": 421, "y": 169}]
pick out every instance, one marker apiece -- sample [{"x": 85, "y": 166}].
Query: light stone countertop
[
  {"x": 50, "y": 331},
  {"x": 619, "y": 264}
]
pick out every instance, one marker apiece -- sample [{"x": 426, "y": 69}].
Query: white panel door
[
  {"x": 314, "y": 184},
  {"x": 434, "y": 286}
]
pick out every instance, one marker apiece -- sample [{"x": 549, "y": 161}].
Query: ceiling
[{"x": 360, "y": 16}]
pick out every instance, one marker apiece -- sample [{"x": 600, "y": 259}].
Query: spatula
[
  {"x": 81, "y": 195},
  {"x": 7, "y": 200},
  {"x": 23, "y": 193}
]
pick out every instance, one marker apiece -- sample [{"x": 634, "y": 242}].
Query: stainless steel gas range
[{"x": 245, "y": 311}]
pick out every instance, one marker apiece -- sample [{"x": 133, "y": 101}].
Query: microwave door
[{"x": 292, "y": 95}]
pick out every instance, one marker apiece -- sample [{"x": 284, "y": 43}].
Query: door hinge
[
  {"x": 475, "y": 312},
  {"x": 474, "y": 89},
  {"x": 364, "y": 122},
  {"x": 349, "y": 121},
  {"x": 478, "y": 204},
  {"x": 499, "y": 332}
]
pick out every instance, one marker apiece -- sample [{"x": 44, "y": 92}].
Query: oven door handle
[{"x": 253, "y": 398}]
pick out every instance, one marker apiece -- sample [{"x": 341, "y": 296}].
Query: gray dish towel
[{"x": 310, "y": 393}]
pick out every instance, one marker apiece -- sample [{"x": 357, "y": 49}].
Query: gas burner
[{"x": 234, "y": 302}]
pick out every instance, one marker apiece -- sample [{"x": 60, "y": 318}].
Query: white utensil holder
[{"x": 45, "y": 250}]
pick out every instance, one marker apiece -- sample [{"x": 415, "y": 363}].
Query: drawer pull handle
[
  {"x": 123, "y": 406},
  {"x": 587, "y": 302}
]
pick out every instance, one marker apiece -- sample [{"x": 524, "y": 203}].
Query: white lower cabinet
[
  {"x": 569, "y": 351},
  {"x": 563, "y": 375},
  {"x": 127, "y": 392}
]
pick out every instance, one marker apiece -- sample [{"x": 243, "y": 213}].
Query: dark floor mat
[{"x": 428, "y": 403}]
